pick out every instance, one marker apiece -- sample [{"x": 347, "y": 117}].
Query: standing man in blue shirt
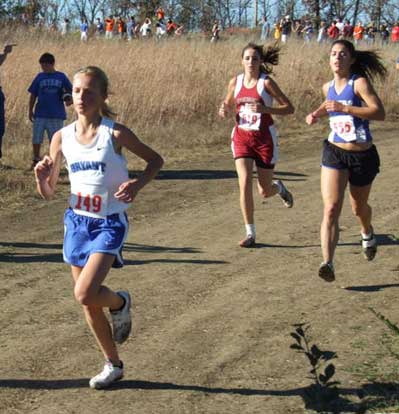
[
  {"x": 7, "y": 50},
  {"x": 48, "y": 92}
]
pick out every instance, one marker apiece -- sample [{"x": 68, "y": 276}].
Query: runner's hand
[
  {"x": 257, "y": 107},
  {"x": 334, "y": 106},
  {"x": 311, "y": 119},
  {"x": 127, "y": 191},
  {"x": 223, "y": 110},
  {"x": 43, "y": 169}
]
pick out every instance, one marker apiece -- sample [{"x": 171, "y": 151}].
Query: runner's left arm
[
  {"x": 284, "y": 106},
  {"x": 373, "y": 108},
  {"x": 125, "y": 138}
]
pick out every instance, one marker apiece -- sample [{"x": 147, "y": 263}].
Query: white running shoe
[
  {"x": 369, "y": 247},
  {"x": 122, "y": 320},
  {"x": 107, "y": 376},
  {"x": 285, "y": 195}
]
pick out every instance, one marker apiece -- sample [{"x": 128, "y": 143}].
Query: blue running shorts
[{"x": 85, "y": 235}]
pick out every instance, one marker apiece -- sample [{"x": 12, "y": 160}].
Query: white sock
[
  {"x": 366, "y": 236},
  {"x": 250, "y": 229}
]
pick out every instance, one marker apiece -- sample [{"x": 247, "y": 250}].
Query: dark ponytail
[
  {"x": 268, "y": 56},
  {"x": 367, "y": 63}
]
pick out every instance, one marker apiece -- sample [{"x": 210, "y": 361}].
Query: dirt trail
[{"x": 212, "y": 322}]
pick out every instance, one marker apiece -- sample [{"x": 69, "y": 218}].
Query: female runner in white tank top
[{"x": 95, "y": 222}]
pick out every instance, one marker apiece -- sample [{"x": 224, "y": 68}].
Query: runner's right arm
[
  {"x": 320, "y": 111},
  {"x": 48, "y": 169},
  {"x": 228, "y": 102}
]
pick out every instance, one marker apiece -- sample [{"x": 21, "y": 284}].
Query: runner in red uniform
[{"x": 254, "y": 137}]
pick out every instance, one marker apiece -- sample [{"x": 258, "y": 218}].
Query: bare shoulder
[
  {"x": 123, "y": 135},
  {"x": 270, "y": 82},
  {"x": 232, "y": 82},
  {"x": 56, "y": 147},
  {"x": 325, "y": 88},
  {"x": 56, "y": 140},
  {"x": 362, "y": 84},
  {"x": 121, "y": 131}
]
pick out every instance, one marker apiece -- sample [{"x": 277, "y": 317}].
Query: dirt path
[{"x": 212, "y": 322}]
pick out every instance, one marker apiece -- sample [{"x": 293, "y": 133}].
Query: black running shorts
[{"x": 363, "y": 166}]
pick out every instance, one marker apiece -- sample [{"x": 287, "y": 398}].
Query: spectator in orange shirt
[
  {"x": 170, "y": 27},
  {"x": 109, "y": 27},
  {"x": 121, "y": 27},
  {"x": 358, "y": 33},
  {"x": 160, "y": 13}
]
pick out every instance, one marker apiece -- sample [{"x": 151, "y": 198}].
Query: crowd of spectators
[
  {"x": 117, "y": 27},
  {"x": 158, "y": 27},
  {"x": 304, "y": 29}
]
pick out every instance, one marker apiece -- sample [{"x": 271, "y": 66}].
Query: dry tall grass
[{"x": 167, "y": 92}]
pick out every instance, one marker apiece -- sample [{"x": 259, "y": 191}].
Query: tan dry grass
[{"x": 167, "y": 92}]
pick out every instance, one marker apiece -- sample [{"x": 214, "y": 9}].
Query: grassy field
[{"x": 213, "y": 322}]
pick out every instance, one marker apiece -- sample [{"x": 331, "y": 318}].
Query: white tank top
[{"x": 95, "y": 171}]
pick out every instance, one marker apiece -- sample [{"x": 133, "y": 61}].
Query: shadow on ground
[
  {"x": 34, "y": 257},
  {"x": 207, "y": 174},
  {"x": 370, "y": 396}
]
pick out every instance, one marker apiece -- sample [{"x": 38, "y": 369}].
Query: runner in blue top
[
  {"x": 49, "y": 91},
  {"x": 349, "y": 154}
]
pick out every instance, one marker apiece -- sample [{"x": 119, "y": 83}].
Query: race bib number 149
[{"x": 90, "y": 201}]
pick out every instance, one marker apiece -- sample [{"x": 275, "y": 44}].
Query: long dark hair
[
  {"x": 268, "y": 56},
  {"x": 367, "y": 63}
]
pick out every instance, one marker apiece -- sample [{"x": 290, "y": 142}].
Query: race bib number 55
[
  {"x": 344, "y": 127},
  {"x": 90, "y": 201}
]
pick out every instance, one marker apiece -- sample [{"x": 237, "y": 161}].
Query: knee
[
  {"x": 331, "y": 212},
  {"x": 360, "y": 210},
  {"x": 83, "y": 296}
]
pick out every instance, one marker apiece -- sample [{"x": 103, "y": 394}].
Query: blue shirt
[
  {"x": 49, "y": 88},
  {"x": 100, "y": 27},
  {"x": 130, "y": 26},
  {"x": 344, "y": 127}
]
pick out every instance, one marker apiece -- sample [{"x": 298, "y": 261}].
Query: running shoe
[
  {"x": 122, "y": 320},
  {"x": 286, "y": 196},
  {"x": 109, "y": 375},
  {"x": 249, "y": 241},
  {"x": 369, "y": 247},
  {"x": 326, "y": 272}
]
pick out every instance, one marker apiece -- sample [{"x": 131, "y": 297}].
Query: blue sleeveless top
[{"x": 346, "y": 128}]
